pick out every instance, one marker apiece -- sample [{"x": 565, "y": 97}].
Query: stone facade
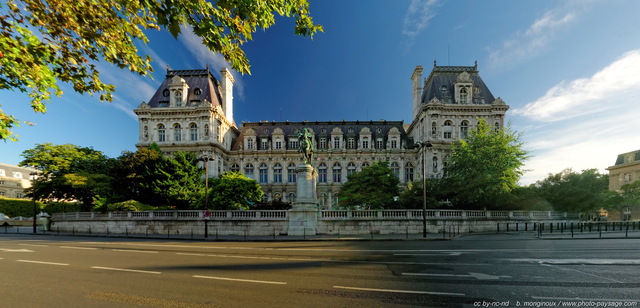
[
  {"x": 625, "y": 171},
  {"x": 193, "y": 111},
  {"x": 14, "y": 180}
]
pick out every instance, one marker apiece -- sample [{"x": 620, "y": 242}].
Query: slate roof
[
  {"x": 446, "y": 76},
  {"x": 631, "y": 157},
  {"x": 196, "y": 79},
  {"x": 321, "y": 129}
]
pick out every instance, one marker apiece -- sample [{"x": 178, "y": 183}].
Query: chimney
[
  {"x": 416, "y": 79},
  {"x": 227, "y": 94}
]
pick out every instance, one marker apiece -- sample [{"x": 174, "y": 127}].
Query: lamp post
[
  {"x": 423, "y": 146},
  {"x": 206, "y": 158},
  {"x": 33, "y": 196}
]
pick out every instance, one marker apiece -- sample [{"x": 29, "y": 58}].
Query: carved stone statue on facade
[{"x": 306, "y": 145}]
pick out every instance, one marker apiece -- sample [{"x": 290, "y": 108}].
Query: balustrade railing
[{"x": 412, "y": 214}]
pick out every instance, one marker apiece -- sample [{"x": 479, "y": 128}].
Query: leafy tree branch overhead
[{"x": 43, "y": 43}]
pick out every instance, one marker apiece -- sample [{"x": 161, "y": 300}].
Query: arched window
[
  {"x": 351, "y": 169},
  {"x": 193, "y": 131},
  {"x": 235, "y": 168},
  {"x": 291, "y": 173},
  {"x": 435, "y": 164},
  {"x": 408, "y": 172},
  {"x": 291, "y": 197},
  {"x": 463, "y": 96},
  {"x": 277, "y": 173},
  {"x": 447, "y": 129},
  {"x": 178, "y": 98},
  {"x": 322, "y": 173},
  {"x": 264, "y": 173},
  {"x": 464, "y": 129},
  {"x": 248, "y": 171},
  {"x": 395, "y": 168},
  {"x": 337, "y": 173},
  {"x": 365, "y": 165},
  {"x": 161, "y": 133},
  {"x": 177, "y": 132},
  {"x": 277, "y": 197}
]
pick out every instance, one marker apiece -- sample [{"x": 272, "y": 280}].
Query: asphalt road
[{"x": 514, "y": 270}]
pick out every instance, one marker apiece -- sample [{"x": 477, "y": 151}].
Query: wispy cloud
[
  {"x": 589, "y": 95},
  {"x": 535, "y": 39},
  {"x": 204, "y": 56},
  {"x": 585, "y": 123},
  {"x": 418, "y": 15}
]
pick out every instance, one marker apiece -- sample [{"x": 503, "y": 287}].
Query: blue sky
[{"x": 570, "y": 70}]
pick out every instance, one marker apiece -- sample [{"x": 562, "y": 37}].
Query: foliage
[
  {"x": 272, "y": 205},
  {"x": 372, "y": 188},
  {"x": 43, "y": 42},
  {"x": 13, "y": 207},
  {"x": 233, "y": 191},
  {"x": 58, "y": 159},
  {"x": 486, "y": 166},
  {"x": 61, "y": 207},
  {"x": 569, "y": 191},
  {"x": 411, "y": 196}
]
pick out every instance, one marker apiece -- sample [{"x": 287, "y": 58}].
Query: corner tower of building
[
  {"x": 191, "y": 111},
  {"x": 447, "y": 105}
]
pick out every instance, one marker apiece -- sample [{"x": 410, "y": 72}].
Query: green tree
[
  {"x": 486, "y": 166},
  {"x": 233, "y": 191},
  {"x": 54, "y": 159},
  {"x": 180, "y": 180},
  {"x": 570, "y": 191},
  {"x": 43, "y": 42},
  {"x": 372, "y": 188},
  {"x": 438, "y": 195}
]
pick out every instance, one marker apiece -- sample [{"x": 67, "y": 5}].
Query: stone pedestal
[{"x": 303, "y": 215}]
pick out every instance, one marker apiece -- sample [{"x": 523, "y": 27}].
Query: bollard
[
  {"x": 507, "y": 227},
  {"x": 498, "y": 225},
  {"x": 600, "y": 230},
  {"x": 274, "y": 233},
  {"x": 89, "y": 230},
  {"x": 126, "y": 231},
  {"x": 407, "y": 233},
  {"x": 571, "y": 230},
  {"x": 626, "y": 232},
  {"x": 561, "y": 227},
  {"x": 550, "y": 227},
  {"x": 526, "y": 226},
  {"x": 517, "y": 227}
]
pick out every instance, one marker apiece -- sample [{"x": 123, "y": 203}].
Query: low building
[
  {"x": 625, "y": 171},
  {"x": 15, "y": 180}
]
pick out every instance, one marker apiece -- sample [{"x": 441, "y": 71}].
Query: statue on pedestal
[{"x": 306, "y": 145}]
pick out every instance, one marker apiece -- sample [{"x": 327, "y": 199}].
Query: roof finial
[
  {"x": 434, "y": 63},
  {"x": 475, "y": 66},
  {"x": 168, "y": 68}
]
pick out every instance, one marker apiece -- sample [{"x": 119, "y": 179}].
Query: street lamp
[
  {"x": 206, "y": 158},
  {"x": 33, "y": 176},
  {"x": 423, "y": 146}
]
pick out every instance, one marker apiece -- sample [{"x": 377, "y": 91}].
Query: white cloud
[
  {"x": 604, "y": 90},
  {"x": 418, "y": 15},
  {"x": 585, "y": 123},
  {"x": 204, "y": 56},
  {"x": 531, "y": 42}
]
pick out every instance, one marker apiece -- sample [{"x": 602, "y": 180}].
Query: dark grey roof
[
  {"x": 196, "y": 79},
  {"x": 446, "y": 76},
  {"x": 321, "y": 128},
  {"x": 635, "y": 156}
]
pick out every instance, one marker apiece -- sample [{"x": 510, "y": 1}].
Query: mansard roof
[
  {"x": 445, "y": 77},
  {"x": 321, "y": 129},
  {"x": 202, "y": 79},
  {"x": 628, "y": 158}
]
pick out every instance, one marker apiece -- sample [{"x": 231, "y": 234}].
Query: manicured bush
[{"x": 13, "y": 207}]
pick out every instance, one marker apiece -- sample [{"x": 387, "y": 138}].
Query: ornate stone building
[
  {"x": 625, "y": 171},
  {"x": 14, "y": 180},
  {"x": 193, "y": 111}
]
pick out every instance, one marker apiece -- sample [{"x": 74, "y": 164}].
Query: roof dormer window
[
  {"x": 178, "y": 98},
  {"x": 464, "y": 96}
]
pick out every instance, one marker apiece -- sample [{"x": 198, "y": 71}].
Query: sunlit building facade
[{"x": 193, "y": 111}]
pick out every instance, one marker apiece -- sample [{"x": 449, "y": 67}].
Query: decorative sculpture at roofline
[{"x": 306, "y": 144}]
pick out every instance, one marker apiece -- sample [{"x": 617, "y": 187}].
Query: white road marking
[
  {"x": 429, "y": 254},
  {"x": 140, "y": 251},
  {"x": 239, "y": 280},
  {"x": 75, "y": 247},
  {"x": 125, "y": 270},
  {"x": 34, "y": 245},
  {"x": 586, "y": 299},
  {"x": 580, "y": 261},
  {"x": 41, "y": 262},
  {"x": 399, "y": 291},
  {"x": 479, "y": 276},
  {"x": 15, "y": 250}
]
